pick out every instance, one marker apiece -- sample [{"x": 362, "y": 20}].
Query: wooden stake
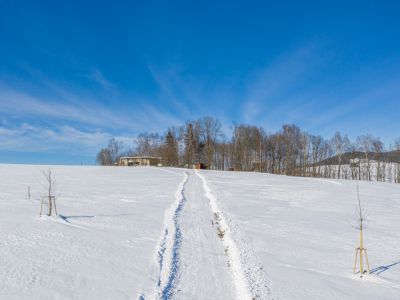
[
  {"x": 355, "y": 262},
  {"x": 361, "y": 252},
  {"x": 361, "y": 249},
  {"x": 54, "y": 203},
  {"x": 41, "y": 207},
  {"x": 50, "y": 206},
  {"x": 366, "y": 257}
]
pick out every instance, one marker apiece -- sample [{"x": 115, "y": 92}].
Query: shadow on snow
[
  {"x": 379, "y": 270},
  {"x": 68, "y": 218}
]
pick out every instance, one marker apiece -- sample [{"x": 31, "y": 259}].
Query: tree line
[{"x": 289, "y": 151}]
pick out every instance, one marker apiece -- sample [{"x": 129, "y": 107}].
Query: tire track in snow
[
  {"x": 249, "y": 278},
  {"x": 204, "y": 272},
  {"x": 168, "y": 253}
]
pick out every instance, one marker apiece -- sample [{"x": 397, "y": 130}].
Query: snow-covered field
[{"x": 159, "y": 233}]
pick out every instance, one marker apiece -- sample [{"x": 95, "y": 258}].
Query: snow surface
[
  {"x": 163, "y": 233},
  {"x": 303, "y": 230}
]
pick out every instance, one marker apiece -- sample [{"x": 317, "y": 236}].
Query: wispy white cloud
[
  {"x": 293, "y": 89},
  {"x": 362, "y": 108},
  {"x": 122, "y": 116},
  {"x": 64, "y": 120},
  {"x": 156, "y": 120},
  {"x": 31, "y": 138},
  {"x": 269, "y": 89},
  {"x": 98, "y": 77},
  {"x": 106, "y": 108},
  {"x": 170, "y": 86},
  {"x": 61, "y": 116},
  {"x": 191, "y": 97},
  {"x": 22, "y": 105}
]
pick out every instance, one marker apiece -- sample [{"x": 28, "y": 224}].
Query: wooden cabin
[
  {"x": 199, "y": 166},
  {"x": 141, "y": 161}
]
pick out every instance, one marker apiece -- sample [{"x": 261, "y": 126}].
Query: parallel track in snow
[
  {"x": 203, "y": 251},
  {"x": 168, "y": 253},
  {"x": 249, "y": 277}
]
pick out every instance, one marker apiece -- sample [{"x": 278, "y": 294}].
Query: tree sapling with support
[{"x": 361, "y": 250}]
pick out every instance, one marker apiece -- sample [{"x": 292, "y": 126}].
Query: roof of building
[{"x": 140, "y": 157}]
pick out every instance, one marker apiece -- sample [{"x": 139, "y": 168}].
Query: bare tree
[
  {"x": 354, "y": 162},
  {"x": 221, "y": 154},
  {"x": 397, "y": 144},
  {"x": 109, "y": 156},
  {"x": 360, "y": 211},
  {"x": 170, "y": 147},
  {"x": 210, "y": 130},
  {"x": 104, "y": 157},
  {"x": 115, "y": 148},
  {"x": 190, "y": 144},
  {"x": 304, "y": 153},
  {"x": 248, "y": 145},
  {"x": 316, "y": 143},
  {"x": 288, "y": 151},
  {"x": 397, "y": 168},
  {"x": 365, "y": 144},
  {"x": 291, "y": 142},
  {"x": 361, "y": 250},
  {"x": 341, "y": 145},
  {"x": 49, "y": 199},
  {"x": 378, "y": 148}
]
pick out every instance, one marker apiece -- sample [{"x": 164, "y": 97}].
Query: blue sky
[{"x": 76, "y": 73}]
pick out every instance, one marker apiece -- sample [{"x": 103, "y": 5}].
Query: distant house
[
  {"x": 141, "y": 161},
  {"x": 199, "y": 166}
]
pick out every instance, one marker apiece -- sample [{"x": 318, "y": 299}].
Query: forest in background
[{"x": 289, "y": 151}]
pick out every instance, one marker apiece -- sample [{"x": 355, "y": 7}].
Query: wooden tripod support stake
[
  {"x": 51, "y": 204},
  {"x": 361, "y": 250}
]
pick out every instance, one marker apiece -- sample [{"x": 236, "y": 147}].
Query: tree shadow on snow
[
  {"x": 68, "y": 218},
  {"x": 379, "y": 270}
]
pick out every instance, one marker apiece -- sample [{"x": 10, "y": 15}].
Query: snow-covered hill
[{"x": 159, "y": 233}]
